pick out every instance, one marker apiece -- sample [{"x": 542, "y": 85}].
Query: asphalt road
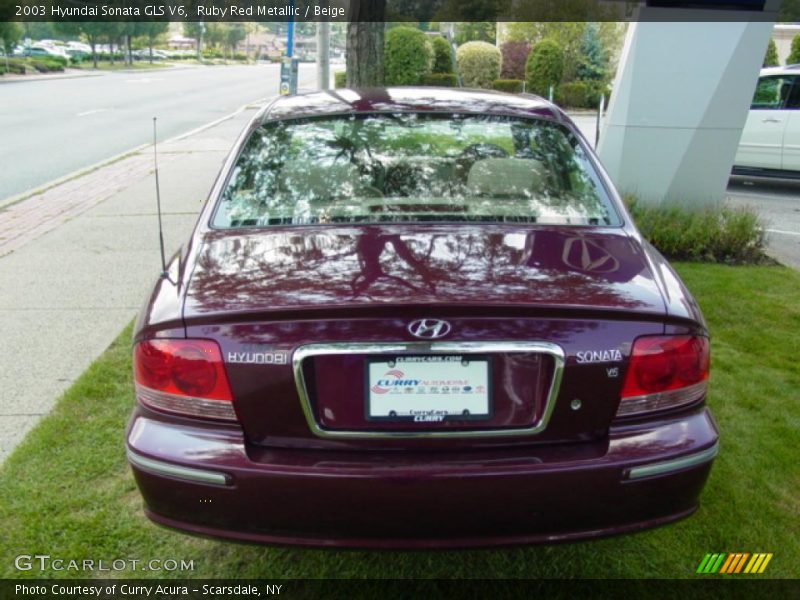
[
  {"x": 778, "y": 205},
  {"x": 51, "y": 128}
]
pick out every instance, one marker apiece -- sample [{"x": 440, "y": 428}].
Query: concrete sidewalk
[{"x": 77, "y": 260}]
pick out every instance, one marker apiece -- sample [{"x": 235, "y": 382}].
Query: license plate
[{"x": 428, "y": 389}]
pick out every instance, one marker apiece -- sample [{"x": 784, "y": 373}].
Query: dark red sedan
[{"x": 418, "y": 318}]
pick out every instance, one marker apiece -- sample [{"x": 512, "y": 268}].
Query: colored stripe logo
[{"x": 734, "y": 563}]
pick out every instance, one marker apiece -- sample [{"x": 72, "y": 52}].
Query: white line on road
[
  {"x": 782, "y": 232},
  {"x": 91, "y": 112}
]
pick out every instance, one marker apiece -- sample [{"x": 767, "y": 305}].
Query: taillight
[
  {"x": 664, "y": 372},
  {"x": 185, "y": 377}
]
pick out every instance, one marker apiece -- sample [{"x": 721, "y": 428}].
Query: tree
[
  {"x": 482, "y": 31},
  {"x": 151, "y": 32},
  {"x": 365, "y": 37},
  {"x": 91, "y": 31},
  {"x": 10, "y": 34},
  {"x": 234, "y": 33},
  {"x": 592, "y": 60},
  {"x": 195, "y": 30},
  {"x": 545, "y": 67},
  {"x": 569, "y": 35},
  {"x": 794, "y": 55},
  {"x": 771, "y": 57}
]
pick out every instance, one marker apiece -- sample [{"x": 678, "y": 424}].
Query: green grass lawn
[{"x": 67, "y": 492}]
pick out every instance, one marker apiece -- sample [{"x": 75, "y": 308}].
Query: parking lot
[{"x": 778, "y": 204}]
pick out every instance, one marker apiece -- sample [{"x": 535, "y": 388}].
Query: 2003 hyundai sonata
[{"x": 418, "y": 318}]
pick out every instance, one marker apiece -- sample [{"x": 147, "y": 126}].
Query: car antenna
[{"x": 158, "y": 200}]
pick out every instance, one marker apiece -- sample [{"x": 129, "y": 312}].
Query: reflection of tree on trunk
[{"x": 369, "y": 248}]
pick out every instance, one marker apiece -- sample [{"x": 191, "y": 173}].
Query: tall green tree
[
  {"x": 592, "y": 63},
  {"x": 569, "y": 36},
  {"x": 794, "y": 55},
  {"x": 234, "y": 35},
  {"x": 195, "y": 30},
  {"x": 545, "y": 67},
  {"x": 92, "y": 32},
  {"x": 10, "y": 34},
  {"x": 771, "y": 56},
  {"x": 151, "y": 32}
]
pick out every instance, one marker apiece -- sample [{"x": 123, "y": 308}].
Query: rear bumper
[{"x": 208, "y": 481}]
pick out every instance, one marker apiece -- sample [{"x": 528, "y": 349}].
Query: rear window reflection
[{"x": 412, "y": 168}]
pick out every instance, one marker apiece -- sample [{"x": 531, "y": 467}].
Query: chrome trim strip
[
  {"x": 668, "y": 466},
  {"x": 163, "y": 468},
  {"x": 307, "y": 351}
]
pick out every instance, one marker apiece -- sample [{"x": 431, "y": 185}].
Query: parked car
[
  {"x": 144, "y": 54},
  {"x": 418, "y": 318},
  {"x": 43, "y": 50},
  {"x": 770, "y": 142}
]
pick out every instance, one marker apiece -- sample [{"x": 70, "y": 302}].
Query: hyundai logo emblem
[{"x": 429, "y": 329}]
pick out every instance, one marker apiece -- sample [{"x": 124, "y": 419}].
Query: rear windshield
[{"x": 412, "y": 168}]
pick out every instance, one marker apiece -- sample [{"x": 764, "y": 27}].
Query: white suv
[{"x": 770, "y": 143}]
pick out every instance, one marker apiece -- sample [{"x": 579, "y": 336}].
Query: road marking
[
  {"x": 782, "y": 232},
  {"x": 144, "y": 80},
  {"x": 91, "y": 112}
]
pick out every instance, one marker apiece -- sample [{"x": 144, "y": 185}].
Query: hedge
[
  {"x": 478, "y": 64},
  {"x": 513, "y": 86},
  {"x": 544, "y": 67},
  {"x": 407, "y": 56},
  {"x": 699, "y": 233},
  {"x": 340, "y": 79},
  {"x": 441, "y": 79},
  {"x": 442, "y": 56},
  {"x": 514, "y": 56}
]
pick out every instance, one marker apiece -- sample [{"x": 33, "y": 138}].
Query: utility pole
[{"x": 323, "y": 55}]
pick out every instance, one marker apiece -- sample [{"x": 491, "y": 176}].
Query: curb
[{"x": 27, "y": 78}]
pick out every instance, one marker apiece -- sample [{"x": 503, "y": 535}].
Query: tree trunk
[
  {"x": 151, "y": 51},
  {"x": 130, "y": 52},
  {"x": 365, "y": 32},
  {"x": 94, "y": 52}
]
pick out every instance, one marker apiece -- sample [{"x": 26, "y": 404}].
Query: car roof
[{"x": 410, "y": 99}]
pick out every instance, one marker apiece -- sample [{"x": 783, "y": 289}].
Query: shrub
[
  {"x": 15, "y": 66},
  {"x": 407, "y": 56},
  {"x": 442, "y": 57},
  {"x": 441, "y": 79},
  {"x": 596, "y": 90},
  {"x": 708, "y": 234},
  {"x": 47, "y": 64},
  {"x": 478, "y": 64},
  {"x": 771, "y": 56},
  {"x": 544, "y": 67},
  {"x": 513, "y": 86},
  {"x": 340, "y": 79},
  {"x": 573, "y": 94},
  {"x": 794, "y": 55},
  {"x": 514, "y": 56}
]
